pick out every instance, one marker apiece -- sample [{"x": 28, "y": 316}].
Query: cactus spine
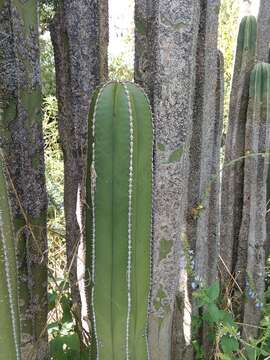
[
  {"x": 118, "y": 221},
  {"x": 9, "y": 314},
  {"x": 233, "y": 172}
]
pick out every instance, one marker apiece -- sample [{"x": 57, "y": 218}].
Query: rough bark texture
[
  {"x": 251, "y": 265},
  {"x": 263, "y": 36},
  {"x": 214, "y": 218},
  {"x": 202, "y": 144},
  {"x": 202, "y": 231},
  {"x": 79, "y": 34},
  {"x": 182, "y": 348},
  {"x": 166, "y": 33},
  {"x": 233, "y": 168},
  {"x": 144, "y": 35},
  {"x": 21, "y": 139}
]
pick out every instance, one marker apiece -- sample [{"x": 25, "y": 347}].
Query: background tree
[
  {"x": 79, "y": 33},
  {"x": 165, "y": 48}
]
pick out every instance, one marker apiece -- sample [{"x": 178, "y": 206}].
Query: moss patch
[
  {"x": 164, "y": 248},
  {"x": 158, "y": 302},
  {"x": 175, "y": 155},
  {"x": 161, "y": 147}
]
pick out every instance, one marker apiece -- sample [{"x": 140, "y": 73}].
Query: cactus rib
[
  {"x": 9, "y": 325},
  {"x": 129, "y": 217}
]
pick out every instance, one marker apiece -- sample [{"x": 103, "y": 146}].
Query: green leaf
[
  {"x": 224, "y": 357},
  {"x": 67, "y": 328},
  {"x": 214, "y": 313},
  {"x": 213, "y": 291},
  {"x": 250, "y": 353},
  {"x": 53, "y": 327},
  {"x": 227, "y": 317},
  {"x": 201, "y": 298},
  {"x": 52, "y": 296},
  {"x": 229, "y": 344},
  {"x": 198, "y": 350},
  {"x": 66, "y": 307}
]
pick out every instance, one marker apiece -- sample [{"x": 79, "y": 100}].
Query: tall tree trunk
[
  {"x": 182, "y": 335},
  {"x": 21, "y": 139},
  {"x": 202, "y": 226},
  {"x": 166, "y": 33},
  {"x": 79, "y": 34},
  {"x": 202, "y": 143}
]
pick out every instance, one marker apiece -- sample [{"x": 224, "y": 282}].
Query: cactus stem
[{"x": 119, "y": 221}]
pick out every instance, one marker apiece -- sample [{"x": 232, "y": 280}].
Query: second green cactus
[{"x": 118, "y": 225}]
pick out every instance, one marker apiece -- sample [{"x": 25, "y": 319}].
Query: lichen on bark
[
  {"x": 263, "y": 37},
  {"x": 165, "y": 46},
  {"x": 21, "y": 139}
]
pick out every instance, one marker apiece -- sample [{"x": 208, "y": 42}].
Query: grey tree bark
[
  {"x": 214, "y": 218},
  {"x": 263, "y": 34},
  {"x": 202, "y": 144},
  {"x": 202, "y": 214},
  {"x": 21, "y": 139},
  {"x": 166, "y": 34},
  {"x": 79, "y": 34}
]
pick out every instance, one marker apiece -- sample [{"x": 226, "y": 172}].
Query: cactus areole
[{"x": 118, "y": 221}]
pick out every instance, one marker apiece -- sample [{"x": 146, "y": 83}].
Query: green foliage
[
  {"x": 46, "y": 13},
  {"x": 64, "y": 341},
  {"x": 47, "y": 66},
  {"x": 119, "y": 70},
  {"x": 224, "y": 331},
  {"x": 53, "y": 157},
  {"x": 118, "y": 220}
]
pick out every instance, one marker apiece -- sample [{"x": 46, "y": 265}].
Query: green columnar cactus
[
  {"x": 233, "y": 171},
  {"x": 118, "y": 221},
  {"x": 9, "y": 314},
  {"x": 251, "y": 265},
  {"x": 23, "y": 146}
]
